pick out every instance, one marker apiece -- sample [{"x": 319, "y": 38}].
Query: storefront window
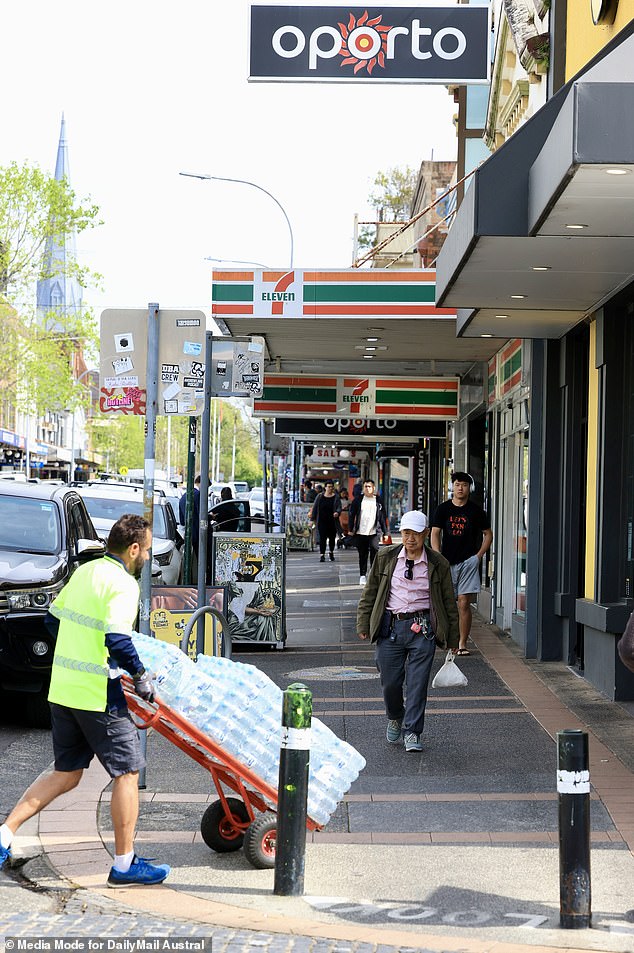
[
  {"x": 521, "y": 534},
  {"x": 627, "y": 587},
  {"x": 397, "y": 501}
]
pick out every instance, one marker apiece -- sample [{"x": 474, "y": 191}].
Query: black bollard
[
  {"x": 573, "y": 788},
  {"x": 292, "y": 794}
]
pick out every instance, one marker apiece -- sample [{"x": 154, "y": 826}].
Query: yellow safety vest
[{"x": 100, "y": 597}]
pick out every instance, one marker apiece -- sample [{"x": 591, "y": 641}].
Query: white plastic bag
[{"x": 449, "y": 675}]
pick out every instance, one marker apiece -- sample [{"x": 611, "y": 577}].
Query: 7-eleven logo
[
  {"x": 278, "y": 293},
  {"x": 356, "y": 396}
]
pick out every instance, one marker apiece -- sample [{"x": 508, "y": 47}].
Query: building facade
[{"x": 541, "y": 249}]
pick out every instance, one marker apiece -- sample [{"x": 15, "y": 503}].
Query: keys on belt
[{"x": 419, "y": 619}]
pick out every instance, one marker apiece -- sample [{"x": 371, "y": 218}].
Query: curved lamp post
[{"x": 222, "y": 178}]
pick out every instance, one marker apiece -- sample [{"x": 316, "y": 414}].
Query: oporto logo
[
  {"x": 361, "y": 43},
  {"x": 425, "y": 44}
]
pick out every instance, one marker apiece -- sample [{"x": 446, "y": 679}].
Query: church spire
[{"x": 58, "y": 293}]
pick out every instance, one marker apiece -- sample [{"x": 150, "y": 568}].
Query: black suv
[{"x": 45, "y": 533}]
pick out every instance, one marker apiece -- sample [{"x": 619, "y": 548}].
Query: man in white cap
[{"x": 407, "y": 607}]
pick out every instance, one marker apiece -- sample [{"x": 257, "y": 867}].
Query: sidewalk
[{"x": 452, "y": 849}]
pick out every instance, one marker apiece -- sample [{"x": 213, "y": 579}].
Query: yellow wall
[
  {"x": 584, "y": 39},
  {"x": 591, "y": 473}
]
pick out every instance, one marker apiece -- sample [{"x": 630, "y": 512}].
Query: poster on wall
[
  {"x": 171, "y": 609},
  {"x": 298, "y": 532},
  {"x": 252, "y": 569}
]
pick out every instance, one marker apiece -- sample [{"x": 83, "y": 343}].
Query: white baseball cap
[{"x": 414, "y": 520}]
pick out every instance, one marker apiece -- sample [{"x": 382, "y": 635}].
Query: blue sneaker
[
  {"x": 412, "y": 742},
  {"x": 141, "y": 872},
  {"x": 5, "y": 854},
  {"x": 394, "y": 730}
]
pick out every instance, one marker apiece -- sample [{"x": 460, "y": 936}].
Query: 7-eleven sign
[
  {"x": 356, "y": 396},
  {"x": 278, "y": 293}
]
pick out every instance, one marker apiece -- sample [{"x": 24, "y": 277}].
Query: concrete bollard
[
  {"x": 573, "y": 788},
  {"x": 292, "y": 795}
]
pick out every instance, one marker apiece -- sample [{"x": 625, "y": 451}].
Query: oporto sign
[{"x": 385, "y": 44}]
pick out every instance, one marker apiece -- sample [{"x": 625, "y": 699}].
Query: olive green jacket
[{"x": 443, "y": 612}]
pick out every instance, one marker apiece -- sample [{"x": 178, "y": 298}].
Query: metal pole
[
  {"x": 72, "y": 450},
  {"x": 169, "y": 449},
  {"x": 265, "y": 491},
  {"x": 151, "y": 386},
  {"x": 573, "y": 788},
  {"x": 218, "y": 443},
  {"x": 204, "y": 500},
  {"x": 212, "y": 425},
  {"x": 233, "y": 450},
  {"x": 189, "y": 501},
  {"x": 292, "y": 795},
  {"x": 149, "y": 454}
]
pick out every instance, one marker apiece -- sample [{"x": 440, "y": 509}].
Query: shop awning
[
  {"x": 545, "y": 234},
  {"x": 337, "y": 319}
]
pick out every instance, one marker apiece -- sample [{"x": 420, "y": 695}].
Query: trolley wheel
[
  {"x": 220, "y": 832},
  {"x": 259, "y": 841}
]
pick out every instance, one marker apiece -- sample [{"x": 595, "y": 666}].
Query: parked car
[
  {"x": 256, "y": 501},
  {"x": 239, "y": 491},
  {"x": 45, "y": 533},
  {"x": 106, "y": 502}
]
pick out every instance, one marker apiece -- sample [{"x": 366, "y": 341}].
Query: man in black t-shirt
[{"x": 461, "y": 531}]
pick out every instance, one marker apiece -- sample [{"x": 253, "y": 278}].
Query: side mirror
[{"x": 89, "y": 549}]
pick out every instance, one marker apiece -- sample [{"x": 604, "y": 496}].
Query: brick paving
[{"x": 521, "y": 706}]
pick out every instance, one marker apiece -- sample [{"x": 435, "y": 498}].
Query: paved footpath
[{"x": 452, "y": 849}]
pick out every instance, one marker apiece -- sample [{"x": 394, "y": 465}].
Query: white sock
[
  {"x": 6, "y": 836},
  {"x": 123, "y": 862}
]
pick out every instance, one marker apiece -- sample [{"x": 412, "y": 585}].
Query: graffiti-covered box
[
  {"x": 173, "y": 606},
  {"x": 253, "y": 571},
  {"x": 299, "y": 534}
]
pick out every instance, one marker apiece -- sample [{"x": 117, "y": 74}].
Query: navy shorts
[{"x": 111, "y": 736}]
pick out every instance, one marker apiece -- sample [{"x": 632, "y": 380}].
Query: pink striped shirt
[{"x": 408, "y": 595}]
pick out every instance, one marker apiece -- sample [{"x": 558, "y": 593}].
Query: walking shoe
[
  {"x": 5, "y": 854},
  {"x": 322, "y": 559},
  {"x": 412, "y": 742},
  {"x": 332, "y": 557},
  {"x": 141, "y": 872},
  {"x": 362, "y": 580},
  {"x": 393, "y": 733}
]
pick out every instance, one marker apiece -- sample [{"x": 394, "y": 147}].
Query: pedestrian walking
[
  {"x": 195, "y": 515},
  {"x": 93, "y": 618},
  {"x": 461, "y": 531},
  {"x": 367, "y": 523},
  {"x": 325, "y": 513},
  {"x": 310, "y": 494},
  {"x": 406, "y": 608}
]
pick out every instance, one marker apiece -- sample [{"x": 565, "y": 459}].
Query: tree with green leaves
[
  {"x": 36, "y": 358},
  {"x": 391, "y": 198}
]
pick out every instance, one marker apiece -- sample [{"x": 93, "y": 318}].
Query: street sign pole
[
  {"x": 204, "y": 502},
  {"x": 149, "y": 451},
  {"x": 189, "y": 501},
  {"x": 148, "y": 484}
]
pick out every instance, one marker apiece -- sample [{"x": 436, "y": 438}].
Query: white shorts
[{"x": 466, "y": 576}]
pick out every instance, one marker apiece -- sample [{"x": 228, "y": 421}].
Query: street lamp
[
  {"x": 72, "y": 439},
  {"x": 222, "y": 178},
  {"x": 237, "y": 261}
]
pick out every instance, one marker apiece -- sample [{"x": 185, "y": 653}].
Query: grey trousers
[{"x": 393, "y": 654}]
